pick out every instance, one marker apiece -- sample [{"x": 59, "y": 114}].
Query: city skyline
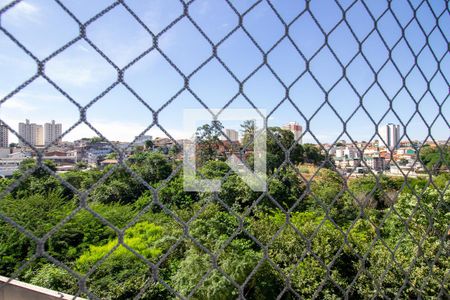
[
  {"x": 45, "y": 134},
  {"x": 37, "y": 134}
]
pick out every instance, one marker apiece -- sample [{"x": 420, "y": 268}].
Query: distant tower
[
  {"x": 32, "y": 133},
  {"x": 232, "y": 134},
  {"x": 3, "y": 136},
  {"x": 390, "y": 134},
  {"x": 296, "y": 129},
  {"x": 52, "y": 132}
]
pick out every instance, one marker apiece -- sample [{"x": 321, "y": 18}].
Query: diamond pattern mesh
[{"x": 398, "y": 46}]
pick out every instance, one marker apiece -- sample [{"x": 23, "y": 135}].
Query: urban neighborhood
[{"x": 387, "y": 154}]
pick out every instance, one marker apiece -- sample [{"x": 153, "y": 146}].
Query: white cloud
[
  {"x": 40, "y": 97},
  {"x": 76, "y": 77},
  {"x": 17, "y": 104},
  {"x": 23, "y": 102},
  {"x": 80, "y": 67},
  {"x": 24, "y": 10}
]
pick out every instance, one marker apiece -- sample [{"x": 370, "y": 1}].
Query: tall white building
[
  {"x": 232, "y": 134},
  {"x": 52, "y": 132},
  {"x": 390, "y": 134},
  {"x": 296, "y": 129},
  {"x": 32, "y": 133},
  {"x": 3, "y": 136}
]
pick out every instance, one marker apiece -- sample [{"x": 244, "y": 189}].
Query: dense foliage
[
  {"x": 436, "y": 158},
  {"x": 329, "y": 238}
]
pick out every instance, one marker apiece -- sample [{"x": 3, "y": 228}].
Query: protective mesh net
[{"x": 425, "y": 273}]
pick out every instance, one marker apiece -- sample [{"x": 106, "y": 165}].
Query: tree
[
  {"x": 4, "y": 183},
  {"x": 236, "y": 193},
  {"x": 328, "y": 192},
  {"x": 238, "y": 261},
  {"x": 149, "y": 145},
  {"x": 82, "y": 180},
  {"x": 81, "y": 165},
  {"x": 214, "y": 169},
  {"x": 325, "y": 187},
  {"x": 173, "y": 194},
  {"x": 138, "y": 149},
  {"x": 151, "y": 166},
  {"x": 40, "y": 181},
  {"x": 55, "y": 278},
  {"x": 286, "y": 188},
  {"x": 122, "y": 187},
  {"x": 40, "y": 172},
  {"x": 248, "y": 129},
  {"x": 37, "y": 213},
  {"x": 77, "y": 235},
  {"x": 418, "y": 254},
  {"x": 289, "y": 250},
  {"x": 436, "y": 158},
  {"x": 123, "y": 274},
  {"x": 441, "y": 181},
  {"x": 95, "y": 140},
  {"x": 213, "y": 228},
  {"x": 375, "y": 192},
  {"x": 117, "y": 190},
  {"x": 275, "y": 153},
  {"x": 112, "y": 155},
  {"x": 356, "y": 239},
  {"x": 312, "y": 154},
  {"x": 174, "y": 151},
  {"x": 207, "y": 137}
]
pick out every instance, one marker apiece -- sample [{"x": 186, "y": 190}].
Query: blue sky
[{"x": 43, "y": 27}]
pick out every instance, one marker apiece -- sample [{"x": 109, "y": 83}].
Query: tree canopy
[{"x": 325, "y": 236}]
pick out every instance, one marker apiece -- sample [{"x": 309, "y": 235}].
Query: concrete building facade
[
  {"x": 390, "y": 134},
  {"x": 52, "y": 132},
  {"x": 296, "y": 129},
  {"x": 232, "y": 134},
  {"x": 4, "y": 143},
  {"x": 32, "y": 133}
]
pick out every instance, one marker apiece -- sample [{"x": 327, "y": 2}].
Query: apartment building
[
  {"x": 390, "y": 134},
  {"x": 296, "y": 129},
  {"x": 52, "y": 132},
  {"x": 32, "y": 133},
  {"x": 4, "y": 143}
]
